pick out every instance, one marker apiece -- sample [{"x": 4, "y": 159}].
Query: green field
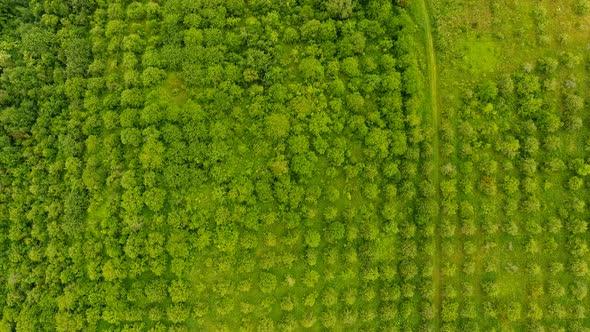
[{"x": 294, "y": 165}]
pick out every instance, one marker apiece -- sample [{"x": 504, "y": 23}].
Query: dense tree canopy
[{"x": 234, "y": 165}]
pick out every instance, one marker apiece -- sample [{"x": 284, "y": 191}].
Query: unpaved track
[{"x": 424, "y": 8}]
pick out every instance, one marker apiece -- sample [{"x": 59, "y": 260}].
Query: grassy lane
[{"x": 424, "y": 22}]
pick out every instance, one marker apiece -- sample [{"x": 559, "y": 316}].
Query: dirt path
[{"x": 423, "y": 7}]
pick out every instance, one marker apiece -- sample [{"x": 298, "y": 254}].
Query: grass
[
  {"x": 480, "y": 55},
  {"x": 173, "y": 90}
]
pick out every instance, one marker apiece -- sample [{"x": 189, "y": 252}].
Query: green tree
[
  {"x": 329, "y": 297},
  {"x": 267, "y": 282},
  {"x": 151, "y": 156},
  {"x": 579, "y": 290},
  {"x": 136, "y": 11},
  {"x": 312, "y": 239},
  {"x": 512, "y": 311},
  {"x": 179, "y": 291},
  {"x": 287, "y": 303},
  {"x": 311, "y": 69},
  {"x": 449, "y": 311},
  {"x": 277, "y": 125},
  {"x": 152, "y": 76},
  {"x": 311, "y": 278},
  {"x": 329, "y": 319},
  {"x": 131, "y": 136},
  {"x": 154, "y": 199},
  {"x": 339, "y": 8},
  {"x": 178, "y": 313}
]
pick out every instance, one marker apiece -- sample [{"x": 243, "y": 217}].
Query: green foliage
[
  {"x": 154, "y": 199},
  {"x": 284, "y": 165},
  {"x": 312, "y": 239},
  {"x": 339, "y": 8},
  {"x": 311, "y": 69},
  {"x": 179, "y": 291},
  {"x": 277, "y": 125},
  {"x": 268, "y": 282},
  {"x": 582, "y": 7}
]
